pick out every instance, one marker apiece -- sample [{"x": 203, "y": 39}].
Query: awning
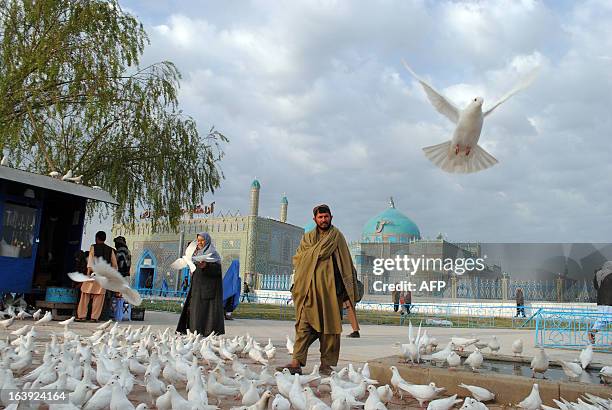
[{"x": 54, "y": 184}]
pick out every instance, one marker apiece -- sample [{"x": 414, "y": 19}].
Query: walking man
[
  {"x": 602, "y": 281},
  {"x": 92, "y": 290},
  {"x": 324, "y": 279}
]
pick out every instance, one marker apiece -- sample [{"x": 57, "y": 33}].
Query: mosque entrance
[{"x": 145, "y": 278}]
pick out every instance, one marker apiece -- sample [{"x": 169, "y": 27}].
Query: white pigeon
[
  {"x": 473, "y": 404},
  {"x": 586, "y": 355},
  {"x": 397, "y": 381},
  {"x": 21, "y": 331},
  {"x": 55, "y": 174},
  {"x": 517, "y": 347},
  {"x": 187, "y": 259},
  {"x": 45, "y": 319},
  {"x": 453, "y": 360},
  {"x": 341, "y": 404},
  {"x": 109, "y": 278},
  {"x": 36, "y": 315},
  {"x": 385, "y": 393},
  {"x": 67, "y": 176},
  {"x": 474, "y": 360},
  {"x": 7, "y": 322},
  {"x": 533, "y": 401},
  {"x": 67, "y": 321},
  {"x": 23, "y": 314},
  {"x": 421, "y": 392},
  {"x": 296, "y": 394},
  {"x": 494, "y": 345},
  {"x": 442, "y": 354},
  {"x": 96, "y": 187},
  {"x": 539, "y": 363},
  {"x": 606, "y": 374},
  {"x": 251, "y": 396},
  {"x": 463, "y": 342},
  {"x": 444, "y": 403},
  {"x": 479, "y": 393},
  {"x": 280, "y": 403},
  {"x": 289, "y": 345},
  {"x": 462, "y": 154},
  {"x": 5, "y": 161},
  {"x": 571, "y": 370},
  {"x": 373, "y": 401},
  {"x": 119, "y": 400}
]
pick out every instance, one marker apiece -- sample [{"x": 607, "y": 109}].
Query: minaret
[
  {"x": 391, "y": 203},
  {"x": 255, "y": 187},
  {"x": 283, "y": 210}
]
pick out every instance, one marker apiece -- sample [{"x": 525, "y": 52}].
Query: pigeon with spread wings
[
  {"x": 109, "y": 278},
  {"x": 186, "y": 259},
  {"x": 462, "y": 154}
]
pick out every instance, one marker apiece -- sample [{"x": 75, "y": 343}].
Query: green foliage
[{"x": 73, "y": 96}]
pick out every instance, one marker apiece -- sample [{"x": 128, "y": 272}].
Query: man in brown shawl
[{"x": 324, "y": 278}]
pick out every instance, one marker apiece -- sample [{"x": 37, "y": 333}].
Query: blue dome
[
  {"x": 255, "y": 184},
  {"x": 390, "y": 226},
  {"x": 309, "y": 226}
]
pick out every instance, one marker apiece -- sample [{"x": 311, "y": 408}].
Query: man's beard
[{"x": 324, "y": 228}]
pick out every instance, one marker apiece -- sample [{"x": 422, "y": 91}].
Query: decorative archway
[{"x": 146, "y": 271}]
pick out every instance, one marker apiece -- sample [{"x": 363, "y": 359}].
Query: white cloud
[{"x": 317, "y": 104}]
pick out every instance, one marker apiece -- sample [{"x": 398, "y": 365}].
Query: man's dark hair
[
  {"x": 101, "y": 236},
  {"x": 321, "y": 209}
]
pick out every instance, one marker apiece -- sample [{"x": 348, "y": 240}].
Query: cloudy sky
[{"x": 317, "y": 104}]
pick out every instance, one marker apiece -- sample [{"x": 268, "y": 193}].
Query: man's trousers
[{"x": 305, "y": 335}]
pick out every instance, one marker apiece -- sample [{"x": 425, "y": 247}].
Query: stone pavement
[{"x": 376, "y": 340}]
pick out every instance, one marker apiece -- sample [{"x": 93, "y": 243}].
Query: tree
[{"x": 74, "y": 97}]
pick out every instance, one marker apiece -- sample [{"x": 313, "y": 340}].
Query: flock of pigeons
[
  {"x": 191, "y": 372},
  {"x": 422, "y": 347}
]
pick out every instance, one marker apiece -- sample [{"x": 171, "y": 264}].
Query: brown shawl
[{"x": 314, "y": 289}]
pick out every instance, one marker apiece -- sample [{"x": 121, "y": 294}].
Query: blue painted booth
[{"x": 41, "y": 225}]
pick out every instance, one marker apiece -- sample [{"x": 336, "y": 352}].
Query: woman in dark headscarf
[{"x": 203, "y": 308}]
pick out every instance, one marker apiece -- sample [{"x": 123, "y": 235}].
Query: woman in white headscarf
[
  {"x": 203, "y": 308},
  {"x": 603, "y": 283}
]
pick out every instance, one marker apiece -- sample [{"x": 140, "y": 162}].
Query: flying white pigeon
[
  {"x": 186, "y": 259},
  {"x": 462, "y": 154},
  {"x": 533, "y": 401},
  {"x": 109, "y": 278}
]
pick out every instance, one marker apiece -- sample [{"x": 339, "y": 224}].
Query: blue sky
[{"x": 316, "y": 103}]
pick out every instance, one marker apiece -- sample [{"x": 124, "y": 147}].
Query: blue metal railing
[{"x": 570, "y": 329}]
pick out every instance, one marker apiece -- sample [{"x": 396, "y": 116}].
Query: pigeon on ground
[
  {"x": 479, "y": 393},
  {"x": 474, "y": 360},
  {"x": 586, "y": 355},
  {"x": 606, "y": 374},
  {"x": 462, "y": 154},
  {"x": 533, "y": 401},
  {"x": 517, "y": 347},
  {"x": 539, "y": 363},
  {"x": 494, "y": 345},
  {"x": 280, "y": 403},
  {"x": 45, "y": 319},
  {"x": 444, "y": 404},
  {"x": 571, "y": 370}
]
